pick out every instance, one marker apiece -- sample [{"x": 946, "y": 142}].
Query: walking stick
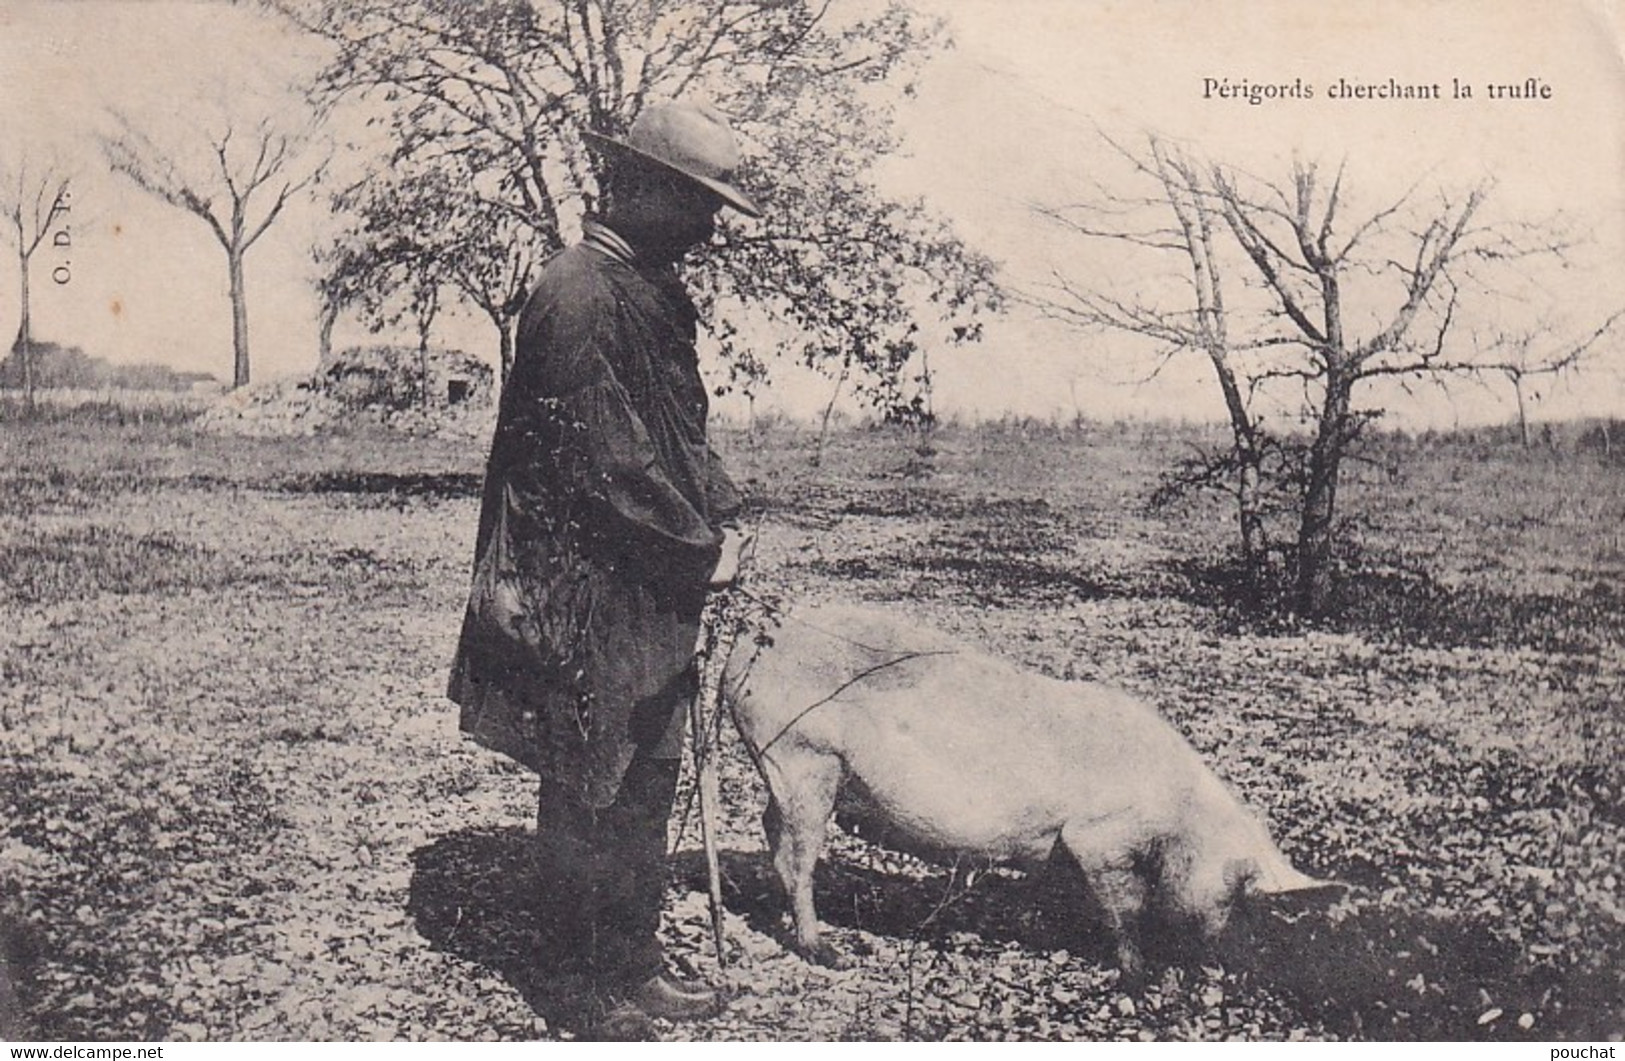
[
  {"x": 716, "y": 643},
  {"x": 705, "y": 769}
]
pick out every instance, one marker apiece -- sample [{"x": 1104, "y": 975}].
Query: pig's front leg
[
  {"x": 803, "y": 787},
  {"x": 1108, "y": 864}
]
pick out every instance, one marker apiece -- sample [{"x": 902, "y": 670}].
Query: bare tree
[
  {"x": 1537, "y": 352},
  {"x": 251, "y": 174},
  {"x": 1334, "y": 297},
  {"x": 1183, "y": 223},
  {"x": 32, "y": 201}
]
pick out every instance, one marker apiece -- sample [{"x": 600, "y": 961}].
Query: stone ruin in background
[{"x": 442, "y": 393}]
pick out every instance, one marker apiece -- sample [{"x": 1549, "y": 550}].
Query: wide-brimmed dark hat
[{"x": 690, "y": 138}]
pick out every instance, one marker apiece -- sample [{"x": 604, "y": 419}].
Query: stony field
[{"x": 234, "y": 805}]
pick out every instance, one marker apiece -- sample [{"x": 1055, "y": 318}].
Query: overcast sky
[{"x": 1003, "y": 120}]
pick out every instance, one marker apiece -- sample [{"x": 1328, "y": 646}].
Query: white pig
[{"x": 952, "y": 750}]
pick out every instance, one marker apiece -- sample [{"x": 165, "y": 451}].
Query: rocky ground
[{"x": 235, "y": 805}]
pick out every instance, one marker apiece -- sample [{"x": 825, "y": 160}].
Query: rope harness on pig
[
  {"x": 726, "y": 620},
  {"x": 722, "y": 611},
  {"x": 844, "y": 686}
]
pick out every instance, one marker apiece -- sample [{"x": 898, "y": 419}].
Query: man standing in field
[{"x": 605, "y": 519}]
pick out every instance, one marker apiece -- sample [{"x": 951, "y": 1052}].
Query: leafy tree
[
  {"x": 418, "y": 230},
  {"x": 1293, "y": 282},
  {"x": 238, "y": 187},
  {"x": 485, "y": 101},
  {"x": 32, "y": 201}
]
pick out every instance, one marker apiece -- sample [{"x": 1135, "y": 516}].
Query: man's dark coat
[{"x": 599, "y": 526}]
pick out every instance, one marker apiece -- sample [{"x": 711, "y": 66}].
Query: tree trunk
[
  {"x": 930, "y": 412},
  {"x": 25, "y": 341},
  {"x": 239, "y": 320},
  {"x": 425, "y": 324},
  {"x": 505, "y": 346},
  {"x": 1523, "y": 416},
  {"x": 829, "y": 410},
  {"x": 1244, "y": 439},
  {"x": 324, "y": 336},
  {"x": 1314, "y": 582},
  {"x": 1249, "y": 519}
]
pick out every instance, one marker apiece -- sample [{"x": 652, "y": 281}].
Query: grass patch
[
  {"x": 46, "y": 566},
  {"x": 388, "y": 487},
  {"x": 161, "y": 411},
  {"x": 1395, "y": 601}
]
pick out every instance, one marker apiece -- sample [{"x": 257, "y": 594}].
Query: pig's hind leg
[{"x": 802, "y": 787}]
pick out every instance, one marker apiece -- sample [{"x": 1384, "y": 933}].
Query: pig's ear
[
  {"x": 1269, "y": 873},
  {"x": 1281, "y": 878}
]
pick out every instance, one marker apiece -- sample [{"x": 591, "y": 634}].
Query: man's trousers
[{"x": 603, "y": 877}]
